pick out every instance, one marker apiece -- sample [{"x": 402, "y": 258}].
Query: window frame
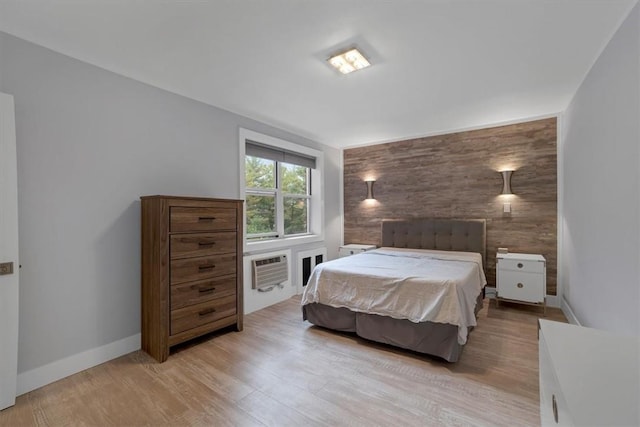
[
  {"x": 280, "y": 203},
  {"x": 268, "y": 193},
  {"x": 315, "y": 194}
]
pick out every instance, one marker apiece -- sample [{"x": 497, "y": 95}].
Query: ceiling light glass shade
[
  {"x": 370, "y": 189},
  {"x": 337, "y": 61},
  {"x": 346, "y": 69},
  {"x": 506, "y": 182},
  {"x": 349, "y": 61}
]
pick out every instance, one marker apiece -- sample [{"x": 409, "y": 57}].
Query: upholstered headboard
[{"x": 467, "y": 235}]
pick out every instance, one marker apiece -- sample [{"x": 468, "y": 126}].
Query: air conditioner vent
[{"x": 269, "y": 272}]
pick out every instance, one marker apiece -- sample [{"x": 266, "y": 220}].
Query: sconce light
[
  {"x": 370, "y": 183},
  {"x": 506, "y": 189},
  {"x": 506, "y": 182}
]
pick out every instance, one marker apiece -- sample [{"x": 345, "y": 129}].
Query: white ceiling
[{"x": 438, "y": 65}]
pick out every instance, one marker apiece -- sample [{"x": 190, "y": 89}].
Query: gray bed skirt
[{"x": 436, "y": 339}]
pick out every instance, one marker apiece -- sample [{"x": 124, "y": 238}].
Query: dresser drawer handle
[
  {"x": 520, "y": 265},
  {"x": 520, "y": 285},
  {"x": 206, "y": 218},
  {"x": 554, "y": 405},
  {"x": 204, "y": 290},
  {"x": 207, "y": 267},
  {"x": 206, "y": 243},
  {"x": 206, "y": 311}
]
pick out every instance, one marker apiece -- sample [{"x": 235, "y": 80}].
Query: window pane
[
  {"x": 260, "y": 173},
  {"x": 294, "y": 179},
  {"x": 295, "y": 215},
  {"x": 261, "y": 214}
]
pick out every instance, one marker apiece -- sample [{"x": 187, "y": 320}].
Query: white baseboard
[
  {"x": 552, "y": 300},
  {"x": 570, "y": 315},
  {"x": 39, "y": 377}
]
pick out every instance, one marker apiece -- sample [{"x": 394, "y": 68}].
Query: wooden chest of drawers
[{"x": 191, "y": 269}]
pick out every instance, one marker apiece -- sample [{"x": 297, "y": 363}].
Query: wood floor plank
[
  {"x": 282, "y": 371},
  {"x": 273, "y": 413}
]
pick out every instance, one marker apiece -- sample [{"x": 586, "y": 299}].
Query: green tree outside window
[{"x": 268, "y": 181}]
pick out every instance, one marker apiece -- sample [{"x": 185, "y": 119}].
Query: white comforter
[{"x": 414, "y": 284}]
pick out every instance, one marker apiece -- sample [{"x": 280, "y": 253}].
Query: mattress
[{"x": 417, "y": 285}]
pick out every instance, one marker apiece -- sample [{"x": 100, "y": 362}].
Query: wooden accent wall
[{"x": 456, "y": 176}]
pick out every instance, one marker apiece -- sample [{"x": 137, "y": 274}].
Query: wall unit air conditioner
[{"x": 269, "y": 272}]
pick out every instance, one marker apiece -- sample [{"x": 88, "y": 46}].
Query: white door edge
[{"x": 8, "y": 253}]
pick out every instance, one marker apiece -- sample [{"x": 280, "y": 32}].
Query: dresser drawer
[
  {"x": 190, "y": 219},
  {"x": 200, "y": 314},
  {"x": 202, "y": 244},
  {"x": 588, "y": 377},
  {"x": 191, "y": 293},
  {"x": 521, "y": 265},
  {"x": 190, "y": 269},
  {"x": 521, "y": 286},
  {"x": 553, "y": 407}
]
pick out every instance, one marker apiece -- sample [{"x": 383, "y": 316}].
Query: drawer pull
[
  {"x": 204, "y": 290},
  {"x": 520, "y": 265},
  {"x": 520, "y": 285},
  {"x": 554, "y": 405},
  {"x": 206, "y": 243},
  {"x": 206, "y": 218},
  {"x": 207, "y": 267},
  {"x": 206, "y": 311}
]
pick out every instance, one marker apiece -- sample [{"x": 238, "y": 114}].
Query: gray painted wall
[
  {"x": 601, "y": 164},
  {"x": 90, "y": 142}
]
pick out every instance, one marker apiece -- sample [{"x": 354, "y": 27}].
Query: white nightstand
[
  {"x": 521, "y": 278},
  {"x": 352, "y": 249}
]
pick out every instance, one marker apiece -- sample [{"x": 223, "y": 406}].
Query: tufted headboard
[{"x": 467, "y": 235}]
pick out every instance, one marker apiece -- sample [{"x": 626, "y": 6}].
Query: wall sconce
[
  {"x": 506, "y": 189},
  {"x": 506, "y": 182},
  {"x": 370, "y": 183}
]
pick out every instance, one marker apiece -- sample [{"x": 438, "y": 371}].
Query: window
[
  {"x": 282, "y": 191},
  {"x": 277, "y": 198},
  {"x": 296, "y": 197},
  {"x": 260, "y": 197}
]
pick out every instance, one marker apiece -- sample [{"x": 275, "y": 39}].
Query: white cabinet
[
  {"x": 521, "y": 278},
  {"x": 352, "y": 249},
  {"x": 588, "y": 377}
]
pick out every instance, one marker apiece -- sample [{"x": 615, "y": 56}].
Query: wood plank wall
[{"x": 456, "y": 176}]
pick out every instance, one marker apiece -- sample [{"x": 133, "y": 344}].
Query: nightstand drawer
[
  {"x": 521, "y": 286},
  {"x": 521, "y": 265},
  {"x": 353, "y": 249}
]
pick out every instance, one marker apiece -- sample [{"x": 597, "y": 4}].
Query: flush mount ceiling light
[{"x": 349, "y": 61}]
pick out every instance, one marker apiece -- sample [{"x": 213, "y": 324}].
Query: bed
[{"x": 420, "y": 291}]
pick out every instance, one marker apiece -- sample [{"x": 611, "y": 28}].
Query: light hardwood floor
[{"x": 281, "y": 371}]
